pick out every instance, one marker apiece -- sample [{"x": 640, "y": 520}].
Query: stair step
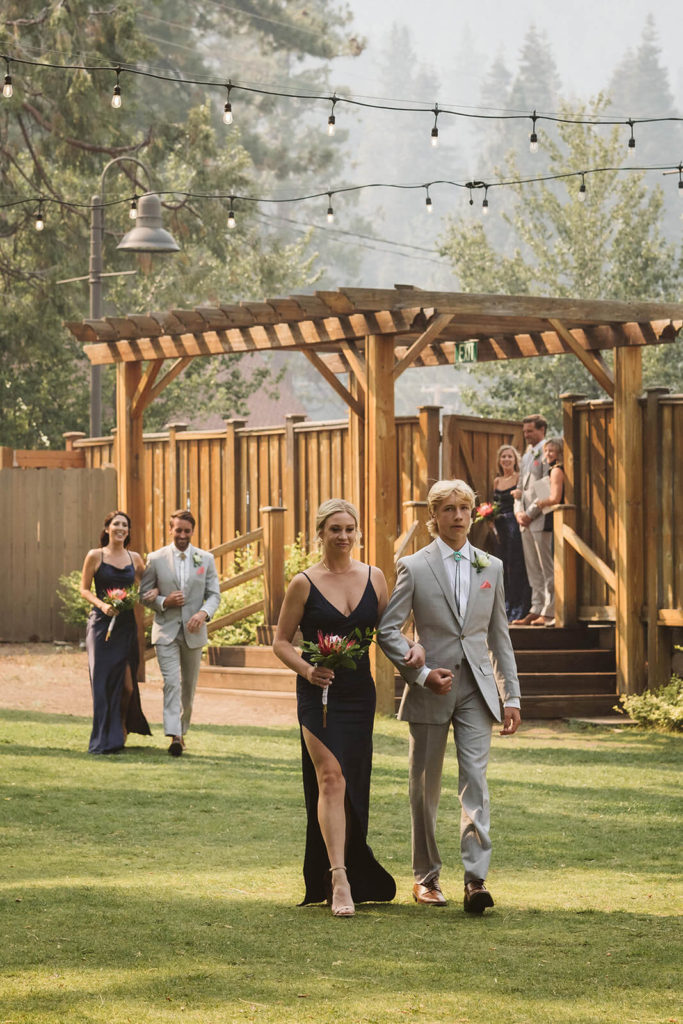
[
  {"x": 563, "y": 660},
  {"x": 540, "y": 638},
  {"x": 569, "y": 706},
  {"x": 241, "y": 678},
  {"x": 552, "y": 683},
  {"x": 252, "y": 657}
]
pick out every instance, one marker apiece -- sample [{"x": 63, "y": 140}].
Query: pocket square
[
  {"x": 485, "y": 585},
  {"x": 200, "y": 572}
]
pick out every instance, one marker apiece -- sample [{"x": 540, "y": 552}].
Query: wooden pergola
[{"x": 373, "y": 335}]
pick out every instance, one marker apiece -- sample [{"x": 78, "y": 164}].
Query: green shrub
[
  {"x": 74, "y": 609},
  {"x": 243, "y": 633},
  {"x": 660, "y": 709}
]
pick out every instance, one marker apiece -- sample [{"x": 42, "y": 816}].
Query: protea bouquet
[
  {"x": 121, "y": 599},
  {"x": 487, "y": 510},
  {"x": 333, "y": 651}
]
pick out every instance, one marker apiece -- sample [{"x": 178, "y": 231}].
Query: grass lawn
[{"x": 140, "y": 888}]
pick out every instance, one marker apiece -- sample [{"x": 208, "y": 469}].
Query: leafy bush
[
  {"x": 243, "y": 633},
  {"x": 660, "y": 709},
  {"x": 74, "y": 609}
]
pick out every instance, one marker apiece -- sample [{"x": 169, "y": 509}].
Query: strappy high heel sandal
[{"x": 340, "y": 909}]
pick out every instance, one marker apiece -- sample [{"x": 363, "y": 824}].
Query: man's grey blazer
[
  {"x": 202, "y": 593},
  {"x": 532, "y": 467},
  {"x": 482, "y": 638}
]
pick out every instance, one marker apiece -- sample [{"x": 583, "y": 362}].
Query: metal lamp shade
[{"x": 148, "y": 235}]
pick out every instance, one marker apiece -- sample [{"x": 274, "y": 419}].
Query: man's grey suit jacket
[
  {"x": 202, "y": 593},
  {"x": 482, "y": 638}
]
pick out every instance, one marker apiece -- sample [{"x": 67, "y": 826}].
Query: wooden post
[
  {"x": 570, "y": 430},
  {"x": 357, "y": 457},
  {"x": 6, "y": 457},
  {"x": 290, "y": 477},
  {"x": 130, "y": 469},
  {"x": 428, "y": 449},
  {"x": 273, "y": 520},
  {"x": 628, "y": 445},
  {"x": 232, "y": 479},
  {"x": 566, "y": 564},
  {"x": 171, "y": 497},
  {"x": 70, "y": 436},
  {"x": 658, "y": 646},
  {"x": 381, "y": 487},
  {"x": 416, "y": 511}
]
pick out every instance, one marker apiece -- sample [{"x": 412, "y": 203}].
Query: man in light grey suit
[
  {"x": 180, "y": 583},
  {"x": 535, "y": 528},
  {"x": 455, "y": 593}
]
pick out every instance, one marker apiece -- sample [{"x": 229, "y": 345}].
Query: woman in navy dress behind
[
  {"x": 113, "y": 663},
  {"x": 336, "y": 596}
]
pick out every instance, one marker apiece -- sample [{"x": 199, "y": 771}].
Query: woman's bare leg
[{"x": 331, "y": 812}]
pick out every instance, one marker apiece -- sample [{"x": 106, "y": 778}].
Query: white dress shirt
[{"x": 181, "y": 562}]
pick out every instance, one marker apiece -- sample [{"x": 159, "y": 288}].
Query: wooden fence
[{"x": 51, "y": 518}]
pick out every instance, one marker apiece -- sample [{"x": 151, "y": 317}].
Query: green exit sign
[{"x": 466, "y": 352}]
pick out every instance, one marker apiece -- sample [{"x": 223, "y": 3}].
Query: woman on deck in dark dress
[
  {"x": 517, "y": 589},
  {"x": 336, "y": 596},
  {"x": 112, "y": 662}
]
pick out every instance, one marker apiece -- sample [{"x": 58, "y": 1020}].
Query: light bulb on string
[
  {"x": 631, "y": 151},
  {"x": 7, "y": 88},
  {"x": 485, "y": 202},
  {"x": 231, "y": 215},
  {"x": 227, "y": 109},
  {"x": 680, "y": 181},
  {"x": 582, "y": 190},
  {"x": 116, "y": 95},
  {"x": 428, "y": 201},
  {"x": 133, "y": 212},
  {"x": 330, "y": 211},
  {"x": 533, "y": 138},
  {"x": 435, "y": 130},
  {"x": 331, "y": 121},
  {"x": 40, "y": 218}
]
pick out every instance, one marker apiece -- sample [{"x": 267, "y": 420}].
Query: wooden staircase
[{"x": 563, "y": 673}]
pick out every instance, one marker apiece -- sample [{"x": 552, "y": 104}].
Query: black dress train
[
  {"x": 107, "y": 662},
  {"x": 348, "y": 735}
]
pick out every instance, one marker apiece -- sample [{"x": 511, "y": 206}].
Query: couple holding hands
[{"x": 453, "y": 677}]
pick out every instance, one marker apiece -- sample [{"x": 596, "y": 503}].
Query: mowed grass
[{"x": 139, "y": 888}]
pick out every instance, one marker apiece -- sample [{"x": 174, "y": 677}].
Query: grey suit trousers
[
  {"x": 179, "y": 666},
  {"x": 472, "y": 722}
]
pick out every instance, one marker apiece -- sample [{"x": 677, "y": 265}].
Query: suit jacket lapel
[
  {"x": 435, "y": 563},
  {"x": 170, "y": 561}
]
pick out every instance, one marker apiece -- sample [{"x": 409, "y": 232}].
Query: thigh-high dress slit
[{"x": 348, "y": 735}]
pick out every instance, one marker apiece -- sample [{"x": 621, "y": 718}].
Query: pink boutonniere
[{"x": 485, "y": 585}]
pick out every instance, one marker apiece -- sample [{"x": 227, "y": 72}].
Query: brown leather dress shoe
[
  {"x": 176, "y": 747},
  {"x": 526, "y": 620},
  {"x": 430, "y": 894},
  {"x": 477, "y": 897}
]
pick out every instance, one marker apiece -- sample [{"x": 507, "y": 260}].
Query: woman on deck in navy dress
[
  {"x": 113, "y": 663},
  {"x": 336, "y": 596},
  {"x": 505, "y": 489}
]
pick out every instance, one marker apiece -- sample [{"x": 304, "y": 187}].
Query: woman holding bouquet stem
[
  {"x": 517, "y": 589},
  {"x": 330, "y": 601},
  {"x": 113, "y": 647}
]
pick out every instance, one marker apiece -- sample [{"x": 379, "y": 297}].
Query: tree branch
[{"x": 90, "y": 147}]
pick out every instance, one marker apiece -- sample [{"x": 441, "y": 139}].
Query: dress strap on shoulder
[
  {"x": 304, "y": 573},
  {"x": 131, "y": 558},
  {"x": 101, "y": 555},
  {"x": 369, "y": 572}
]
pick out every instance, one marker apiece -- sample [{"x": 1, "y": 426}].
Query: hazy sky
[{"x": 588, "y": 37}]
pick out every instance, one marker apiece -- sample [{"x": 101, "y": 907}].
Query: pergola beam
[
  {"x": 593, "y": 361},
  {"x": 430, "y": 334},
  {"x": 334, "y": 382}
]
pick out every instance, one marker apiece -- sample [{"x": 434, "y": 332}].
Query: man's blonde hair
[{"x": 438, "y": 494}]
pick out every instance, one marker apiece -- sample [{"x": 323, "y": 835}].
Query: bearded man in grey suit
[
  {"x": 455, "y": 593},
  {"x": 534, "y": 527},
  {"x": 180, "y": 583}
]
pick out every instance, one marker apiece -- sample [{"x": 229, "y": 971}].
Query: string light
[
  {"x": 680, "y": 181},
  {"x": 435, "y": 130},
  {"x": 485, "y": 202},
  {"x": 40, "y": 217},
  {"x": 631, "y": 151},
  {"x": 533, "y": 138},
  {"x": 133, "y": 212},
  {"x": 428, "y": 201},
  {"x": 7, "y": 88},
  {"x": 330, "y": 211},
  {"x": 582, "y": 190},
  {"x": 331, "y": 121},
  {"x": 227, "y": 109},
  {"x": 231, "y": 214},
  {"x": 116, "y": 95}
]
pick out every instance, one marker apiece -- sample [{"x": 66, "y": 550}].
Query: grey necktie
[{"x": 458, "y": 558}]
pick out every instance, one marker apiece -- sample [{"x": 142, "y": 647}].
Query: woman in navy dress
[
  {"x": 336, "y": 596},
  {"x": 517, "y": 589},
  {"x": 113, "y": 663}
]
